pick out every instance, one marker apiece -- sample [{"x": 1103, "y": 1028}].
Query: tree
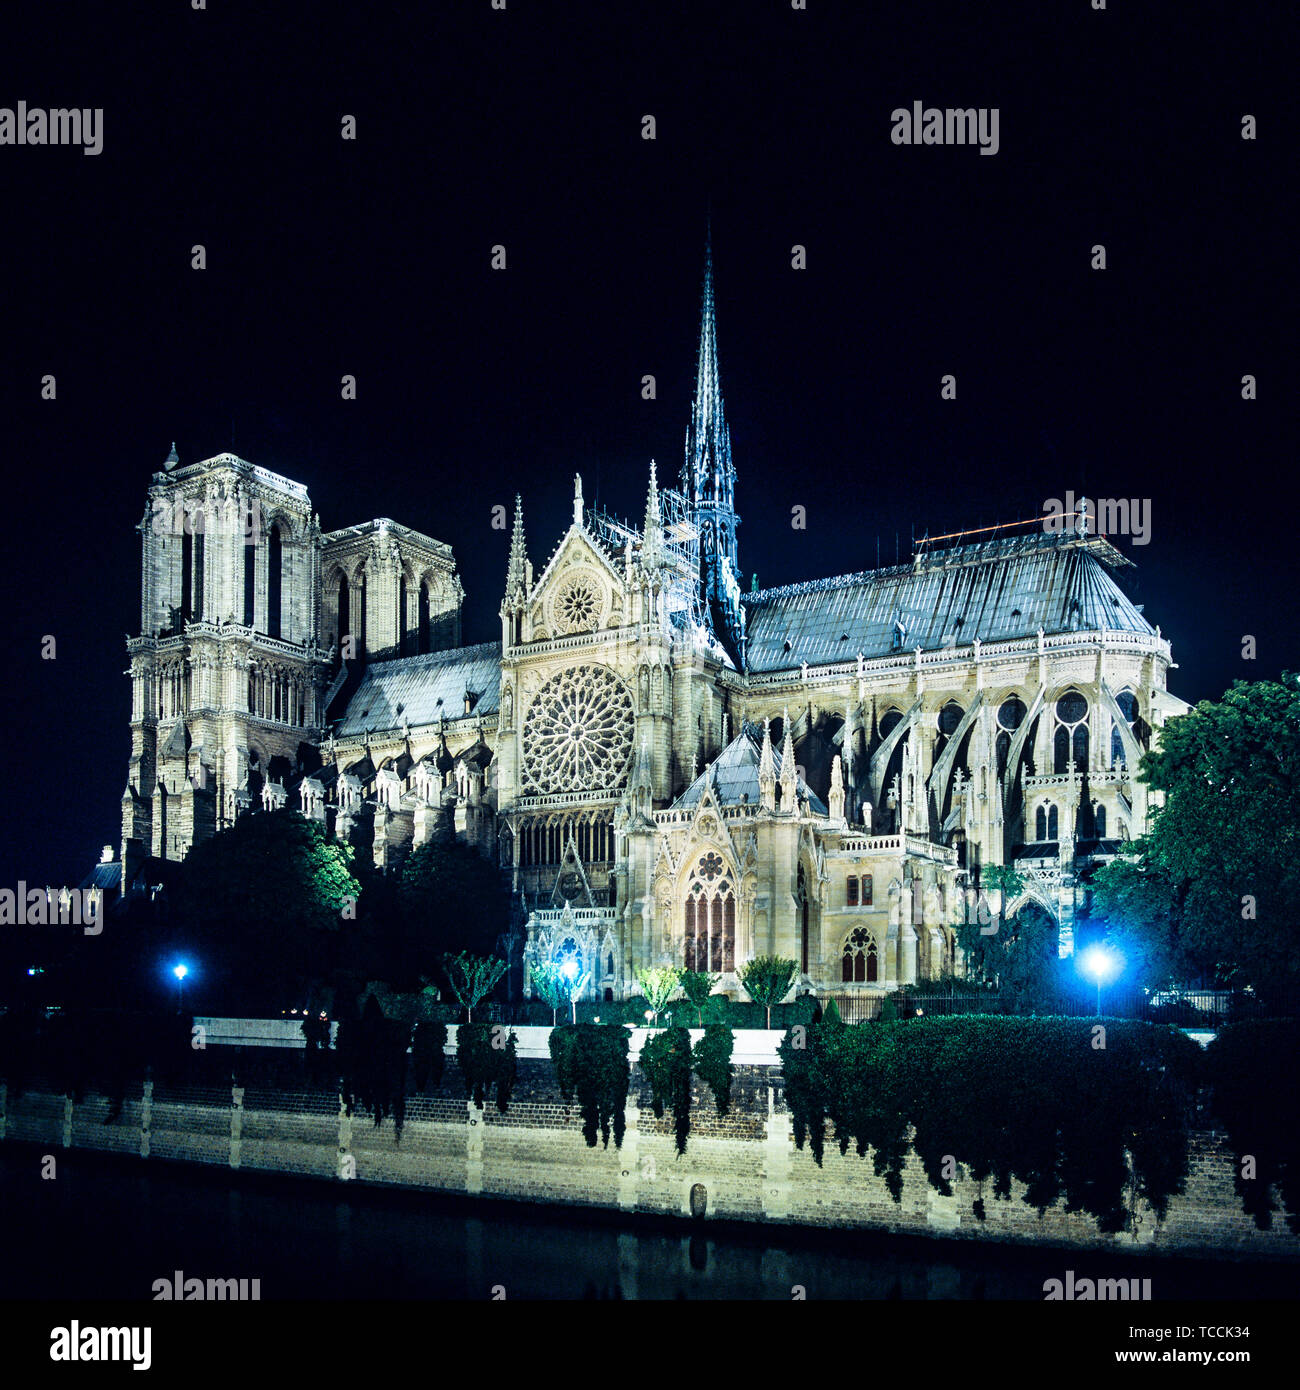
[
  {"x": 1209, "y": 891},
  {"x": 1028, "y": 957},
  {"x": 552, "y": 985},
  {"x": 450, "y": 899},
  {"x": 767, "y": 980},
  {"x": 261, "y": 906},
  {"x": 557, "y": 985},
  {"x": 1017, "y": 951},
  {"x": 472, "y": 978},
  {"x": 697, "y": 985},
  {"x": 983, "y": 935},
  {"x": 659, "y": 983}
]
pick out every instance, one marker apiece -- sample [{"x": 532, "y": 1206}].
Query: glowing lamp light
[
  {"x": 569, "y": 969},
  {"x": 180, "y": 970},
  {"x": 649, "y": 1014},
  {"x": 1101, "y": 965}
]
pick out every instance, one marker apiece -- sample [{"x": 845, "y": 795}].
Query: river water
[{"x": 108, "y": 1228}]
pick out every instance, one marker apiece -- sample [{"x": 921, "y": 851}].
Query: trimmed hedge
[
  {"x": 590, "y": 1062},
  {"x": 1252, "y": 1069},
  {"x": 1055, "y": 1103},
  {"x": 486, "y": 1054},
  {"x": 666, "y": 1061}
]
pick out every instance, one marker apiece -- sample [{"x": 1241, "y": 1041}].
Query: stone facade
[
  {"x": 741, "y": 1167},
  {"x": 667, "y": 768}
]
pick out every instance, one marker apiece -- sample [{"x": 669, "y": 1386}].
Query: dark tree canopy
[
  {"x": 451, "y": 899},
  {"x": 1020, "y": 954},
  {"x": 1210, "y": 892},
  {"x": 262, "y": 905}
]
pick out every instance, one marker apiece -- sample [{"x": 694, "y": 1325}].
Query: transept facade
[{"x": 667, "y": 768}]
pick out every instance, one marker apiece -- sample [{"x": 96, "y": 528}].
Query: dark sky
[{"x": 523, "y": 127}]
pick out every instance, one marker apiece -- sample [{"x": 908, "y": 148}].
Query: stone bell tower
[{"x": 228, "y": 679}]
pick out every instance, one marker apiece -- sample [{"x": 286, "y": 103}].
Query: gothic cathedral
[{"x": 669, "y": 768}]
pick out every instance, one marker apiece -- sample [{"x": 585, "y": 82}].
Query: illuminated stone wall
[{"x": 746, "y": 1162}]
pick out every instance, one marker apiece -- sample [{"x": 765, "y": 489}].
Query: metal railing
[{"x": 1183, "y": 1008}]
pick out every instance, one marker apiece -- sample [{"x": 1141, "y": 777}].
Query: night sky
[{"x": 523, "y": 127}]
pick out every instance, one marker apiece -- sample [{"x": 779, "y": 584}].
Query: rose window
[
  {"x": 710, "y": 866},
  {"x": 577, "y": 605},
  {"x": 578, "y": 732}
]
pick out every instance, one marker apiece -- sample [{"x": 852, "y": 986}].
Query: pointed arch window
[
  {"x": 250, "y": 582},
  {"x": 274, "y": 577},
  {"x": 344, "y": 618},
  {"x": 1071, "y": 738},
  {"x": 860, "y": 963},
  {"x": 361, "y": 622},
  {"x": 1128, "y": 707},
  {"x": 1053, "y": 824},
  {"x": 1003, "y": 752},
  {"x": 709, "y": 917}
]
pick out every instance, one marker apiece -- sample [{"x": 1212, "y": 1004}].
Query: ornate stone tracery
[
  {"x": 578, "y": 732},
  {"x": 578, "y": 604}
]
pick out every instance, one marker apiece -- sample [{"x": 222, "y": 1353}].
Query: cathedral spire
[
  {"x": 766, "y": 771},
  {"x": 789, "y": 772},
  {"x": 708, "y": 473},
  {"x": 652, "y": 499},
  {"x": 709, "y": 482},
  {"x": 517, "y": 568},
  {"x": 652, "y": 535}
]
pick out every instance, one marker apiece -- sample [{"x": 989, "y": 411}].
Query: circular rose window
[
  {"x": 578, "y": 732},
  {"x": 577, "y": 605}
]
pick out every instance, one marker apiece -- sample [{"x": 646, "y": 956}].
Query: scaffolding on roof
[{"x": 683, "y": 600}]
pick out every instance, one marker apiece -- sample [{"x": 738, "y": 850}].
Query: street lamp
[
  {"x": 180, "y": 970},
  {"x": 570, "y": 972},
  {"x": 1101, "y": 965}
]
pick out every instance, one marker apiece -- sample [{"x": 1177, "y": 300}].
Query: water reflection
[{"x": 106, "y": 1230}]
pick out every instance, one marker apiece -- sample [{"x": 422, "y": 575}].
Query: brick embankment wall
[{"x": 745, "y": 1162}]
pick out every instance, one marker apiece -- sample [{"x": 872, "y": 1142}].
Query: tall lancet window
[
  {"x": 187, "y": 572},
  {"x": 859, "y": 964},
  {"x": 250, "y": 582},
  {"x": 361, "y": 621},
  {"x": 710, "y": 917},
  {"x": 345, "y": 619},
  {"x": 198, "y": 570},
  {"x": 274, "y": 562}
]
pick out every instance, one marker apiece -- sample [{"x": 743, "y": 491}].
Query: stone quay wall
[{"x": 739, "y": 1167}]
